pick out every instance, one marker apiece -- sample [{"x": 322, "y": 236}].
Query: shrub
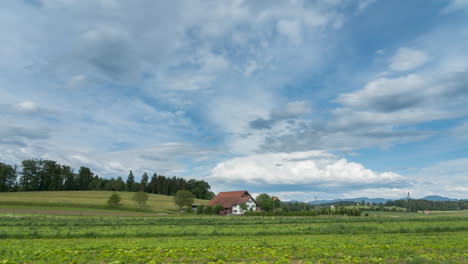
[
  {"x": 201, "y": 209},
  {"x": 114, "y": 199},
  {"x": 140, "y": 198},
  {"x": 218, "y": 208},
  {"x": 208, "y": 210}
]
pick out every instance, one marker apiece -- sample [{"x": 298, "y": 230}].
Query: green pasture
[
  {"x": 85, "y": 201},
  {"x": 412, "y": 238}
]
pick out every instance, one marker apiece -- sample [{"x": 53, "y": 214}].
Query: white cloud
[
  {"x": 27, "y": 106},
  {"x": 250, "y": 67},
  {"x": 76, "y": 80},
  {"x": 386, "y": 94},
  {"x": 363, "y": 4},
  {"x": 290, "y": 29},
  {"x": 314, "y": 168},
  {"x": 447, "y": 178},
  {"x": 408, "y": 59},
  {"x": 456, "y": 5}
]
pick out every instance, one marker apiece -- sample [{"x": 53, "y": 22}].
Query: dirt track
[{"x": 73, "y": 212}]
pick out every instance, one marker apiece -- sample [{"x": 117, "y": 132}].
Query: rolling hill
[{"x": 86, "y": 201}]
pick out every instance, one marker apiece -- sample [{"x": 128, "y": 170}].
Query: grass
[
  {"x": 236, "y": 239},
  {"x": 55, "y": 208},
  {"x": 85, "y": 200}
]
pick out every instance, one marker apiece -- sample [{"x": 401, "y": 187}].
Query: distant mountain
[
  {"x": 382, "y": 200},
  {"x": 359, "y": 199},
  {"x": 437, "y": 198}
]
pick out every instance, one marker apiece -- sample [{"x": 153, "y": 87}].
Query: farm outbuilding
[{"x": 231, "y": 201}]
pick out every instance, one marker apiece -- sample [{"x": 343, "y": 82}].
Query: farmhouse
[{"x": 231, "y": 202}]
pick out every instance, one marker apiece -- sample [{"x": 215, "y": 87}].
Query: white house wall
[{"x": 250, "y": 205}]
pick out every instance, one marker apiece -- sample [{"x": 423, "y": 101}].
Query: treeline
[
  {"x": 296, "y": 206},
  {"x": 319, "y": 211},
  {"x": 48, "y": 175},
  {"x": 302, "y": 206},
  {"x": 418, "y": 205}
]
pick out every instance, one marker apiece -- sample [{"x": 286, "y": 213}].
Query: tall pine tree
[{"x": 130, "y": 182}]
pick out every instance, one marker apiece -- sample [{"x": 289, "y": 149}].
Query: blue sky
[{"x": 339, "y": 98}]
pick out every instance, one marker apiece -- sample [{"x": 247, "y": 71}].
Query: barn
[{"x": 231, "y": 202}]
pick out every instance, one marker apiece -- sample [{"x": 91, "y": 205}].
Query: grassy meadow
[
  {"x": 382, "y": 238},
  {"x": 93, "y": 201}
]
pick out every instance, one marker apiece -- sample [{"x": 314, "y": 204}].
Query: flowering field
[{"x": 119, "y": 239}]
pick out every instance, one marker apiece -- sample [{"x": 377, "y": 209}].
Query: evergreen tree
[
  {"x": 154, "y": 184},
  {"x": 144, "y": 182},
  {"x": 120, "y": 184},
  {"x": 130, "y": 182}
]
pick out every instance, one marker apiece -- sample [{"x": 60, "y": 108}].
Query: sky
[{"x": 329, "y": 98}]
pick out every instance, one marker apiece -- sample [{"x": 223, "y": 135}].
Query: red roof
[{"x": 228, "y": 199}]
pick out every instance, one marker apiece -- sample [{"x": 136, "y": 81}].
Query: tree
[
  {"x": 200, "y": 189},
  {"x": 153, "y": 185},
  {"x": 244, "y": 207},
  {"x": 69, "y": 178},
  {"x": 264, "y": 201},
  {"x": 120, "y": 184},
  {"x": 29, "y": 180},
  {"x": 210, "y": 195},
  {"x": 84, "y": 178},
  {"x": 114, "y": 199},
  {"x": 144, "y": 182},
  {"x": 130, "y": 181},
  {"x": 184, "y": 198},
  {"x": 140, "y": 198},
  {"x": 7, "y": 177}
]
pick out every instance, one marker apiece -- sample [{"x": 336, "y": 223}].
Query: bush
[
  {"x": 208, "y": 210},
  {"x": 140, "y": 198},
  {"x": 114, "y": 199},
  {"x": 217, "y": 209},
  {"x": 201, "y": 209}
]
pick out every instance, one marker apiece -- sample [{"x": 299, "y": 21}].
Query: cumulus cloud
[
  {"x": 408, "y": 59},
  {"x": 315, "y": 169},
  {"x": 143, "y": 76}
]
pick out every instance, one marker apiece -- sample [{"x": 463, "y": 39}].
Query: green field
[
  {"x": 384, "y": 238},
  {"x": 85, "y": 201}
]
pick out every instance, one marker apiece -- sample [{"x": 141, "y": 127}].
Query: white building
[{"x": 231, "y": 201}]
